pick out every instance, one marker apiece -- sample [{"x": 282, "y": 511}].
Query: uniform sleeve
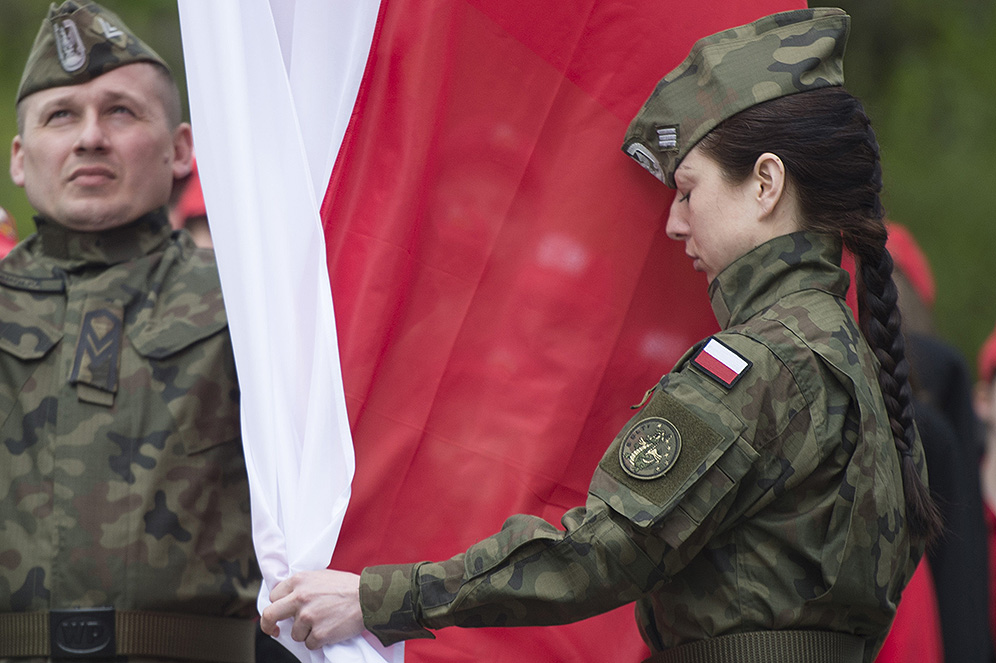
[{"x": 665, "y": 485}]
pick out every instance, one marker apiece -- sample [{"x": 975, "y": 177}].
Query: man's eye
[
  {"x": 58, "y": 115},
  {"x": 685, "y": 197}
]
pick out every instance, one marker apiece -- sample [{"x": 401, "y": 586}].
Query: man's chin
[{"x": 93, "y": 219}]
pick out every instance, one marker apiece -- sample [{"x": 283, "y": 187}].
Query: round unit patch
[{"x": 650, "y": 448}]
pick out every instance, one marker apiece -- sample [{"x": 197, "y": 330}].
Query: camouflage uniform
[
  {"x": 122, "y": 475},
  {"x": 773, "y": 501}
]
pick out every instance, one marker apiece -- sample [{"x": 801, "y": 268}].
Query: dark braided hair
[{"x": 832, "y": 162}]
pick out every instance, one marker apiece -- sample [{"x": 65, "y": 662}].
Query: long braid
[
  {"x": 881, "y": 322},
  {"x": 828, "y": 145}
]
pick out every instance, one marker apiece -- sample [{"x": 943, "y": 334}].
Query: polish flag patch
[{"x": 721, "y": 363}]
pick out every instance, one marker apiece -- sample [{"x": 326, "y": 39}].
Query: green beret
[
  {"x": 78, "y": 42},
  {"x": 730, "y": 71}
]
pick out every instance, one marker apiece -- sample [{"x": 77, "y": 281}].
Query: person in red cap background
[
  {"x": 8, "y": 232},
  {"x": 187, "y": 209},
  {"x": 985, "y": 407},
  {"x": 952, "y": 443}
]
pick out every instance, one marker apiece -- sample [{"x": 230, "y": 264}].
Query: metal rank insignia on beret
[{"x": 650, "y": 448}]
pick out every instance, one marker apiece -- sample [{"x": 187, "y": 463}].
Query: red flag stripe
[{"x": 717, "y": 368}]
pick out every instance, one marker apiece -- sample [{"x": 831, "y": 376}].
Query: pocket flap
[
  {"x": 167, "y": 337},
  {"x": 27, "y": 337}
]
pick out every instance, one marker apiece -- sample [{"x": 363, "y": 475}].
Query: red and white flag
[
  {"x": 504, "y": 289},
  {"x": 720, "y": 362}
]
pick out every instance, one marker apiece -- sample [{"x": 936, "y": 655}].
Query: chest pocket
[
  {"x": 25, "y": 341},
  {"x": 709, "y": 460},
  {"x": 194, "y": 372},
  {"x": 26, "y": 337}
]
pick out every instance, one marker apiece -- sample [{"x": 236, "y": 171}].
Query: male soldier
[{"x": 124, "y": 506}]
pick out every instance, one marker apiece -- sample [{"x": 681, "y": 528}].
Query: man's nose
[{"x": 92, "y": 136}]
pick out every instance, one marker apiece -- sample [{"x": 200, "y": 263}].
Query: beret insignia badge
[
  {"x": 69, "y": 44},
  {"x": 650, "y": 448},
  {"x": 646, "y": 159}
]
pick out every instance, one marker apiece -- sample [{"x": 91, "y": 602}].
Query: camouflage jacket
[
  {"x": 761, "y": 492},
  {"x": 122, "y": 476}
]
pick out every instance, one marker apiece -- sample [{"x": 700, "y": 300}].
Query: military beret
[
  {"x": 731, "y": 71},
  {"x": 79, "y": 41}
]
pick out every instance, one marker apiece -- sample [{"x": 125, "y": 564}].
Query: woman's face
[{"x": 718, "y": 221}]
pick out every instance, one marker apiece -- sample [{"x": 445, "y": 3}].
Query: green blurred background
[{"x": 926, "y": 71}]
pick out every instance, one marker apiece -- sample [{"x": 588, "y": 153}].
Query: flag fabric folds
[
  {"x": 257, "y": 161},
  {"x": 503, "y": 285}
]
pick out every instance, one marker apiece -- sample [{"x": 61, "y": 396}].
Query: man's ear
[
  {"x": 769, "y": 178},
  {"x": 17, "y": 162},
  {"x": 183, "y": 151}
]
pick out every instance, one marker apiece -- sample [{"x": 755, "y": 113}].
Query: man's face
[{"x": 101, "y": 154}]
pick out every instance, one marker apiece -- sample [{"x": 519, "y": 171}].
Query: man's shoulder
[
  {"x": 189, "y": 261},
  {"x": 185, "y": 306}
]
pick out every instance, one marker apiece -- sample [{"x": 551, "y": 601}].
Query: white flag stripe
[
  {"x": 328, "y": 55},
  {"x": 263, "y": 208},
  {"x": 727, "y": 357}
]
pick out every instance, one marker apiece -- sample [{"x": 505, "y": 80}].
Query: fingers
[
  {"x": 281, "y": 607},
  {"x": 302, "y": 630},
  {"x": 323, "y": 604},
  {"x": 282, "y": 589}
]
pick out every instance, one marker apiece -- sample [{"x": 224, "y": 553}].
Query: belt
[
  {"x": 768, "y": 647},
  {"x": 105, "y": 632}
]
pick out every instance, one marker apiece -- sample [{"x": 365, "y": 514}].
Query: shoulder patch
[
  {"x": 720, "y": 362},
  {"x": 650, "y": 448}
]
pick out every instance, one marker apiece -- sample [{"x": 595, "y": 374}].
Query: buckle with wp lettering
[{"x": 82, "y": 633}]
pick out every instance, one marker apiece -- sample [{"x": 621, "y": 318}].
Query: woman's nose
[{"x": 677, "y": 225}]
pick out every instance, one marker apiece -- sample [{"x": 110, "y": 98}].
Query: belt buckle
[{"x": 82, "y": 633}]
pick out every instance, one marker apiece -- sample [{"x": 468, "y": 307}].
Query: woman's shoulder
[{"x": 805, "y": 331}]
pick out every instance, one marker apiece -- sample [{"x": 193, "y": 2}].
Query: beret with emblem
[
  {"x": 731, "y": 71},
  {"x": 79, "y": 41}
]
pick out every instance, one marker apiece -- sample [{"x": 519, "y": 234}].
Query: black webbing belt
[
  {"x": 105, "y": 632},
  {"x": 769, "y": 647}
]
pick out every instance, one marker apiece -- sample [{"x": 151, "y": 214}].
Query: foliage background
[{"x": 924, "y": 69}]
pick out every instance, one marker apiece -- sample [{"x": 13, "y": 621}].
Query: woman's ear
[{"x": 769, "y": 178}]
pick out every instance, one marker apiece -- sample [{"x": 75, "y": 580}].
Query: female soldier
[{"x": 768, "y": 502}]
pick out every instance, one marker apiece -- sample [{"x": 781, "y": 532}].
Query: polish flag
[
  {"x": 720, "y": 362},
  {"x": 504, "y": 289}
]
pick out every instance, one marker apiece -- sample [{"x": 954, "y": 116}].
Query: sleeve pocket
[{"x": 711, "y": 459}]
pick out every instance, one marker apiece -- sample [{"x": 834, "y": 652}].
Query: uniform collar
[
  {"x": 73, "y": 248},
  {"x": 781, "y": 266}
]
